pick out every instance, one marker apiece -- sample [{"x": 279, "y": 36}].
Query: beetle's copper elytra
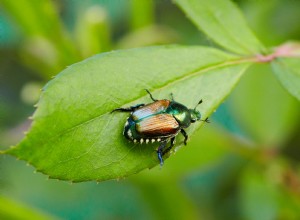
[{"x": 159, "y": 121}]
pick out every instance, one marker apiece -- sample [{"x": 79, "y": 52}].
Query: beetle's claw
[
  {"x": 161, "y": 163},
  {"x": 161, "y": 160},
  {"x": 206, "y": 120}
]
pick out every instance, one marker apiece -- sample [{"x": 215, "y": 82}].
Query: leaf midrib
[
  {"x": 176, "y": 80},
  {"x": 131, "y": 148}
]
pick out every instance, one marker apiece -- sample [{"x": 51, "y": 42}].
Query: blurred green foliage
[
  {"x": 12, "y": 210},
  {"x": 245, "y": 165}
]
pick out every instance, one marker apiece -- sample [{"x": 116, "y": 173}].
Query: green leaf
[
  {"x": 74, "y": 136},
  {"x": 10, "y": 209},
  {"x": 287, "y": 71},
  {"x": 224, "y": 23}
]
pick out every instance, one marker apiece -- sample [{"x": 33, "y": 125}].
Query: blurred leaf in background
[
  {"x": 46, "y": 46},
  {"x": 264, "y": 109},
  {"x": 12, "y": 210}
]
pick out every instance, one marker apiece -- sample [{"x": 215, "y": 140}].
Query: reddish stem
[{"x": 285, "y": 50}]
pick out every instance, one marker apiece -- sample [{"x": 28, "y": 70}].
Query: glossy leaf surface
[{"x": 74, "y": 136}]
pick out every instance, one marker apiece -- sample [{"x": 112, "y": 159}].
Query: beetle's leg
[
  {"x": 130, "y": 109},
  {"x": 171, "y": 146},
  {"x": 185, "y": 136},
  {"x": 153, "y": 99},
  {"x": 172, "y": 97},
  {"x": 160, "y": 152}
]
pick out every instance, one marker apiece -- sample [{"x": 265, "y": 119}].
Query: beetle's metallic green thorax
[{"x": 180, "y": 112}]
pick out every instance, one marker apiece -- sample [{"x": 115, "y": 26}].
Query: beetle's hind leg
[
  {"x": 160, "y": 152},
  {"x": 185, "y": 136},
  {"x": 171, "y": 146},
  {"x": 153, "y": 99},
  {"x": 130, "y": 109}
]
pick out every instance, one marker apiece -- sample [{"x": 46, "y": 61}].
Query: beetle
[{"x": 159, "y": 121}]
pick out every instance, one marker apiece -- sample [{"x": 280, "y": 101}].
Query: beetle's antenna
[
  {"x": 198, "y": 104},
  {"x": 172, "y": 97}
]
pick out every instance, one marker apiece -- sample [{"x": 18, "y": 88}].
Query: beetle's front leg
[
  {"x": 130, "y": 109},
  {"x": 185, "y": 136},
  {"x": 160, "y": 152},
  {"x": 171, "y": 146},
  {"x": 206, "y": 120}
]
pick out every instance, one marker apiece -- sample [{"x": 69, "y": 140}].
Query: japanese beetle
[{"x": 159, "y": 121}]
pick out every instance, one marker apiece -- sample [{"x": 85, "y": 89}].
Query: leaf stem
[{"x": 290, "y": 49}]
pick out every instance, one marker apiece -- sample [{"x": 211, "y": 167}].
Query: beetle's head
[{"x": 195, "y": 115}]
